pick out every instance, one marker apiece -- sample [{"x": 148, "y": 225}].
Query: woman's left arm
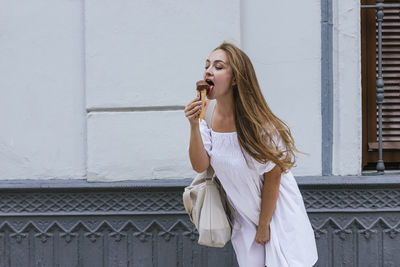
[{"x": 269, "y": 196}]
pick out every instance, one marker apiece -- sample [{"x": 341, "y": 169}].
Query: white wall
[
  {"x": 58, "y": 59},
  {"x": 42, "y": 117},
  {"x": 147, "y": 54},
  {"x": 283, "y": 40},
  {"x": 347, "y": 127}
]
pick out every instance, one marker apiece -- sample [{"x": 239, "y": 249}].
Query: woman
[{"x": 251, "y": 151}]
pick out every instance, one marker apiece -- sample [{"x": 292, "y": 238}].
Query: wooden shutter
[{"x": 391, "y": 77}]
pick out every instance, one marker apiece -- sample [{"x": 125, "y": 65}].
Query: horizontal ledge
[
  {"x": 356, "y": 210},
  {"x": 85, "y": 213},
  {"x": 84, "y": 184},
  {"x": 134, "y": 109},
  {"x": 392, "y": 180}
]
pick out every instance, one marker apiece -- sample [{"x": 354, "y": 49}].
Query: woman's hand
[
  {"x": 192, "y": 111},
  {"x": 263, "y": 234}
]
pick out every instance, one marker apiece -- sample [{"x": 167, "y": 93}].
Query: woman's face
[{"x": 218, "y": 74}]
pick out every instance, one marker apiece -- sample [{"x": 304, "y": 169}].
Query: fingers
[
  {"x": 262, "y": 241},
  {"x": 262, "y": 237},
  {"x": 194, "y": 100},
  {"x": 192, "y": 105},
  {"x": 193, "y": 109},
  {"x": 193, "y": 112}
]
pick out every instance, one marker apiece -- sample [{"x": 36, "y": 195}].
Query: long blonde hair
[{"x": 258, "y": 129}]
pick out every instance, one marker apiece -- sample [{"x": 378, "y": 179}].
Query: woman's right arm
[{"x": 197, "y": 153}]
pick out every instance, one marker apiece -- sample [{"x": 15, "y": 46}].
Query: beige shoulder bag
[{"x": 205, "y": 202}]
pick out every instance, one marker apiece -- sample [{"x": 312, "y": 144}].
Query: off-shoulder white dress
[{"x": 292, "y": 242}]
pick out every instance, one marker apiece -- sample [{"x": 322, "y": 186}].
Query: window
[{"x": 391, "y": 77}]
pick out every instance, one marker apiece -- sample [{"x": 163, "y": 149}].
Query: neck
[{"x": 225, "y": 107}]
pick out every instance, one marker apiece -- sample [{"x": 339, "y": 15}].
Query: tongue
[{"x": 209, "y": 91}]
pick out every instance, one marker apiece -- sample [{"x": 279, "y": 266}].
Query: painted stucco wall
[
  {"x": 96, "y": 89},
  {"x": 283, "y": 38},
  {"x": 347, "y": 121},
  {"x": 42, "y": 100},
  {"x": 148, "y": 54}
]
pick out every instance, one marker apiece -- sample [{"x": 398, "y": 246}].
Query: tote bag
[{"x": 206, "y": 204}]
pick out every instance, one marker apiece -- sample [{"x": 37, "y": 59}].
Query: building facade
[{"x": 94, "y": 140}]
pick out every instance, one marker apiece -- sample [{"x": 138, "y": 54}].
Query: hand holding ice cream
[{"x": 202, "y": 89}]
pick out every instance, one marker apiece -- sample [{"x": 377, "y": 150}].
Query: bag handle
[
  {"x": 210, "y": 112},
  {"x": 209, "y": 115}
]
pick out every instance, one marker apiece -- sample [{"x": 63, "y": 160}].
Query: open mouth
[{"x": 211, "y": 83}]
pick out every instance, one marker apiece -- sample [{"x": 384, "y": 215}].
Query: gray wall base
[{"x": 356, "y": 221}]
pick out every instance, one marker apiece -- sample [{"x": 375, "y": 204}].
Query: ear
[{"x": 233, "y": 81}]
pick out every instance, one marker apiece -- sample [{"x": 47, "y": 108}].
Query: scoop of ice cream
[{"x": 201, "y": 85}]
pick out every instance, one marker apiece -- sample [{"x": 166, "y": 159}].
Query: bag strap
[
  {"x": 209, "y": 115},
  {"x": 210, "y": 112},
  {"x": 227, "y": 206}
]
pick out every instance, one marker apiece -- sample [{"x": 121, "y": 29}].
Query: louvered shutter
[{"x": 391, "y": 77}]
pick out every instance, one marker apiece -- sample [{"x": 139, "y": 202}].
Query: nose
[{"x": 208, "y": 72}]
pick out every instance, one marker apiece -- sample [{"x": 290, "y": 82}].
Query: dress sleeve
[
  {"x": 269, "y": 165},
  {"x": 263, "y": 168},
  {"x": 206, "y": 136}
]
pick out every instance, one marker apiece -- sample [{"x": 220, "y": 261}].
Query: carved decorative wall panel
[{"x": 147, "y": 226}]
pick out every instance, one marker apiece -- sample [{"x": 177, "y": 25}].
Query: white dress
[{"x": 292, "y": 242}]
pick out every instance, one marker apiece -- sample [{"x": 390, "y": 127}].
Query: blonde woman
[{"x": 251, "y": 151}]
